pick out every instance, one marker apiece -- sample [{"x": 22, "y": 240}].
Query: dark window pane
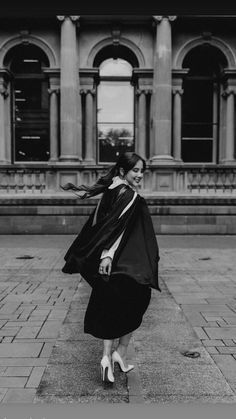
[
  {"x": 197, "y": 130},
  {"x": 31, "y": 142},
  {"x": 194, "y": 151},
  {"x": 198, "y": 101},
  {"x": 30, "y": 94},
  {"x": 31, "y": 119}
]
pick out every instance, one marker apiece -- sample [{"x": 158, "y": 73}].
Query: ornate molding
[
  {"x": 72, "y": 18},
  {"x": 4, "y": 92},
  {"x": 177, "y": 91},
  {"x": 88, "y": 91},
  {"x": 206, "y": 36},
  {"x": 158, "y": 19},
  {"x": 145, "y": 92},
  {"x": 116, "y": 34},
  {"x": 53, "y": 90},
  {"x": 228, "y": 92}
]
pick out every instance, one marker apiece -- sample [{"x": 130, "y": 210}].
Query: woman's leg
[
  {"x": 106, "y": 366},
  {"x": 123, "y": 346},
  {"x": 107, "y": 347}
]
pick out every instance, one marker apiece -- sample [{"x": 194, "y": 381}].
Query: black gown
[{"x": 117, "y": 304}]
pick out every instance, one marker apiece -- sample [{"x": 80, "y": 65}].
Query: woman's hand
[
  {"x": 105, "y": 266},
  {"x": 68, "y": 186}
]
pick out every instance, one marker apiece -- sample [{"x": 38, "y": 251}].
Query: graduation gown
[{"x": 117, "y": 303}]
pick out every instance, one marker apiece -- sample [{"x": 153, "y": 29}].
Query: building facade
[{"x": 76, "y": 91}]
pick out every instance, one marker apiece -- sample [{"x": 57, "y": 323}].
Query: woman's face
[{"x": 135, "y": 175}]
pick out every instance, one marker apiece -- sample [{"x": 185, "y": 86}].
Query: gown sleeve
[{"x": 84, "y": 254}]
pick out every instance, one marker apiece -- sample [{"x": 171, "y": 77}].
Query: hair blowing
[{"x": 126, "y": 161}]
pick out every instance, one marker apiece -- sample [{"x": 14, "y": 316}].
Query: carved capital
[
  {"x": 88, "y": 91},
  {"x": 158, "y": 19},
  {"x": 228, "y": 92},
  {"x": 4, "y": 91},
  {"x": 177, "y": 91},
  {"x": 72, "y": 18},
  {"x": 53, "y": 90},
  {"x": 145, "y": 92}
]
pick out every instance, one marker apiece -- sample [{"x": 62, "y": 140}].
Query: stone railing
[
  {"x": 22, "y": 180},
  {"x": 206, "y": 179},
  {"x": 181, "y": 179}
]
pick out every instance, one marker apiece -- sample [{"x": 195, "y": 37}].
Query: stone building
[{"x": 76, "y": 91}]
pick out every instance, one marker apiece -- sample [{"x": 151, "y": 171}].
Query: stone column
[
  {"x": 70, "y": 98},
  {"x": 3, "y": 135},
  {"x": 177, "y": 112},
  {"x": 89, "y": 118},
  {"x": 162, "y": 94},
  {"x": 54, "y": 123},
  {"x": 230, "y": 126},
  {"x": 142, "y": 116}
]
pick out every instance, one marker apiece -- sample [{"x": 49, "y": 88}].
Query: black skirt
[{"x": 116, "y": 307}]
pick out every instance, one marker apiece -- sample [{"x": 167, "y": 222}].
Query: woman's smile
[{"x": 135, "y": 175}]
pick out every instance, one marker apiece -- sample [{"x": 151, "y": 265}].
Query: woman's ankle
[{"x": 122, "y": 350}]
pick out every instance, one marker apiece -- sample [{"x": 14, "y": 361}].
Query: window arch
[
  {"x": 30, "y": 103},
  {"x": 200, "y": 106},
  {"x": 115, "y": 103}
]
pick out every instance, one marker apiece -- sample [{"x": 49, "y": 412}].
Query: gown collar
[{"x": 116, "y": 181}]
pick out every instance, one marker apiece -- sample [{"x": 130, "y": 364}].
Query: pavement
[{"x": 45, "y": 358}]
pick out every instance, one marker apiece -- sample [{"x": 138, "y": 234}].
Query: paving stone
[
  {"x": 2, "y": 393},
  {"x": 227, "y": 364},
  {"x": 20, "y": 349},
  {"x": 213, "y": 342},
  {"x": 18, "y": 371},
  {"x": 28, "y": 332},
  {"x": 11, "y": 382},
  {"x": 229, "y": 342},
  {"x": 20, "y": 395},
  {"x": 37, "y": 362},
  {"x": 7, "y": 339},
  {"x": 212, "y": 350},
  {"x": 221, "y": 332},
  {"x": 35, "y": 377},
  {"x": 12, "y": 331},
  {"x": 47, "y": 349},
  {"x": 50, "y": 329},
  {"x": 201, "y": 333},
  {"x": 227, "y": 350}
]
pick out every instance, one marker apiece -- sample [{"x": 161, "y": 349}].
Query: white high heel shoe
[
  {"x": 106, "y": 370},
  {"x": 117, "y": 358}
]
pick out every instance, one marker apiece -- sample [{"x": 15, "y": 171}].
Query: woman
[{"x": 117, "y": 254}]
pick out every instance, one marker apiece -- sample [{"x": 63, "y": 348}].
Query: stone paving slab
[{"x": 197, "y": 311}]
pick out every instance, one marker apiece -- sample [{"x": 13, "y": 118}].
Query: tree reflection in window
[{"x": 115, "y": 110}]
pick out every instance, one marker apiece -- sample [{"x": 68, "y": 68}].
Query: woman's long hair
[{"x": 126, "y": 161}]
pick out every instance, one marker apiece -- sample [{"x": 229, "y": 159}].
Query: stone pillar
[
  {"x": 142, "y": 121},
  {"x": 3, "y": 135},
  {"x": 177, "y": 112},
  {"x": 230, "y": 126},
  {"x": 89, "y": 129},
  {"x": 162, "y": 91},
  {"x": 54, "y": 123},
  {"x": 70, "y": 98}
]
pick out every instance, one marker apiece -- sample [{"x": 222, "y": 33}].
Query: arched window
[
  {"x": 200, "y": 109},
  {"x": 115, "y": 109},
  {"x": 30, "y": 103}
]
